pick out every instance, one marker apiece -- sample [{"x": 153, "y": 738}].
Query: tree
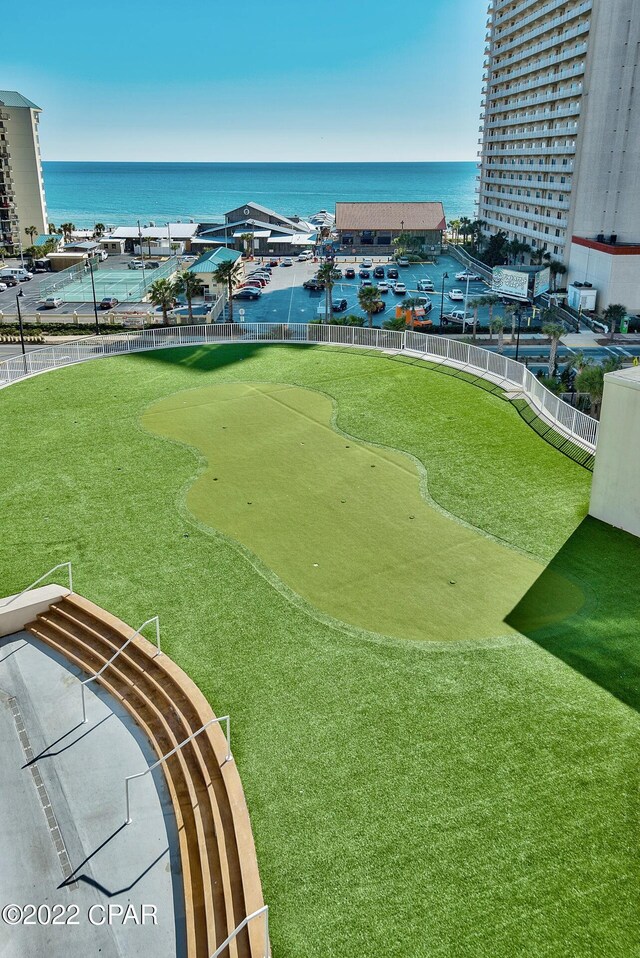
[
  {"x": 510, "y": 310},
  {"x": 557, "y": 269},
  {"x": 454, "y": 226},
  {"x": 227, "y": 274},
  {"x": 162, "y": 293},
  {"x": 496, "y": 251},
  {"x": 326, "y": 274},
  {"x": 475, "y": 305},
  {"x": 591, "y": 380},
  {"x": 465, "y": 228},
  {"x": 67, "y": 230},
  {"x": 31, "y": 231},
  {"x": 491, "y": 301},
  {"x": 613, "y": 315},
  {"x": 369, "y": 298},
  {"x": 496, "y": 325},
  {"x": 247, "y": 241},
  {"x": 477, "y": 228},
  {"x": 410, "y": 305},
  {"x": 99, "y": 230},
  {"x": 52, "y": 228},
  {"x": 189, "y": 285},
  {"x": 554, "y": 331}
]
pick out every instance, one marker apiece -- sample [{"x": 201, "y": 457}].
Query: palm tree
[
  {"x": 247, "y": 239},
  {"x": 98, "y": 230},
  {"x": 31, "y": 231},
  {"x": 410, "y": 305},
  {"x": 554, "y": 331},
  {"x": 511, "y": 310},
  {"x": 591, "y": 380},
  {"x": 326, "y": 274},
  {"x": 614, "y": 314},
  {"x": 477, "y": 229},
  {"x": 491, "y": 301},
  {"x": 227, "y": 274},
  {"x": 465, "y": 227},
  {"x": 162, "y": 293},
  {"x": 454, "y": 226},
  {"x": 67, "y": 230},
  {"x": 496, "y": 325},
  {"x": 557, "y": 269},
  {"x": 368, "y": 298},
  {"x": 52, "y": 228},
  {"x": 189, "y": 285},
  {"x": 475, "y": 305}
]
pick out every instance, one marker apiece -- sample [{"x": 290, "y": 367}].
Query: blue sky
[{"x": 240, "y": 80}]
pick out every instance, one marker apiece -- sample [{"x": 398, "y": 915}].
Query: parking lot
[{"x": 285, "y": 300}]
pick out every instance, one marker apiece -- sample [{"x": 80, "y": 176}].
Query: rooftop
[
  {"x": 391, "y": 216},
  {"x": 208, "y": 262},
  {"x": 13, "y": 98}
]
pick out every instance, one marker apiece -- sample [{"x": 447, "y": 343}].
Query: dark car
[
  {"x": 339, "y": 305},
  {"x": 248, "y": 292},
  {"x": 314, "y": 283},
  {"x": 336, "y": 273},
  {"x": 108, "y": 302},
  {"x": 392, "y": 272},
  {"x": 350, "y": 272},
  {"x": 273, "y": 261},
  {"x": 152, "y": 264},
  {"x": 365, "y": 274},
  {"x": 10, "y": 280},
  {"x": 379, "y": 272}
]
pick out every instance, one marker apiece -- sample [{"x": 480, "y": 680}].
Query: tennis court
[{"x": 128, "y": 285}]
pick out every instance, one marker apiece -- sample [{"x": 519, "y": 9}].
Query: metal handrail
[
  {"x": 228, "y": 757},
  {"x": 61, "y": 565},
  {"x": 92, "y": 678},
  {"x": 245, "y": 921}
]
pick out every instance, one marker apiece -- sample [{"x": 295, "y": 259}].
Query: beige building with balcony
[
  {"x": 560, "y": 136},
  {"x": 22, "y": 202}
]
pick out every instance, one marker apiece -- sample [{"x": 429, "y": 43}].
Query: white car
[
  {"x": 400, "y": 289},
  {"x": 472, "y": 277},
  {"x": 456, "y": 295},
  {"x": 383, "y": 287},
  {"x": 52, "y": 302},
  {"x": 391, "y": 283},
  {"x": 425, "y": 286},
  {"x": 307, "y": 254},
  {"x": 287, "y": 261},
  {"x": 366, "y": 263}
]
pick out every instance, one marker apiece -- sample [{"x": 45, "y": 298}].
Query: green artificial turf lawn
[
  {"x": 408, "y": 798},
  {"x": 342, "y": 523}
]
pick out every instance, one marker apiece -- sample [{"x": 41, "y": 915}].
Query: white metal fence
[{"x": 512, "y": 376}]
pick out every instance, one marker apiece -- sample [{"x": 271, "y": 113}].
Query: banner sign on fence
[
  {"x": 510, "y": 282},
  {"x": 542, "y": 282}
]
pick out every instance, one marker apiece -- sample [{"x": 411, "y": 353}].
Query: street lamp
[
  {"x": 93, "y": 289},
  {"x": 24, "y": 352},
  {"x": 144, "y": 279},
  {"x": 444, "y": 276},
  {"x": 518, "y": 317}
]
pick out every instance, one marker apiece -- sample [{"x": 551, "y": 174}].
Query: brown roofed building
[{"x": 372, "y": 227}]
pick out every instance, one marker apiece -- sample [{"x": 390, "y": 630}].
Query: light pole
[
  {"x": 518, "y": 317},
  {"x": 24, "y": 352},
  {"x": 93, "y": 289},
  {"x": 466, "y": 297},
  {"x": 144, "y": 278},
  {"x": 444, "y": 276}
]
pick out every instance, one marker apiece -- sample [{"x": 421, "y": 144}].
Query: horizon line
[{"x": 258, "y": 162}]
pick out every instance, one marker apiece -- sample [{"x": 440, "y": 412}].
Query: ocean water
[{"x": 121, "y": 193}]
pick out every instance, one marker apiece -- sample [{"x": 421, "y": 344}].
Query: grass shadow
[{"x": 601, "y": 640}]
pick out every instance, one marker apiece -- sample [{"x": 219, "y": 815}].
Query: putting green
[{"x": 344, "y": 524}]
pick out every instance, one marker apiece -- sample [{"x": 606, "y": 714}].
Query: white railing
[
  {"x": 243, "y": 924},
  {"x": 61, "y": 565},
  {"x": 576, "y": 425}
]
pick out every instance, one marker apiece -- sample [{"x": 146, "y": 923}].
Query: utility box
[{"x": 580, "y": 297}]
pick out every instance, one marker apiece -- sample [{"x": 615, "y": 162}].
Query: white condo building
[
  {"x": 22, "y": 202},
  {"x": 559, "y": 160}
]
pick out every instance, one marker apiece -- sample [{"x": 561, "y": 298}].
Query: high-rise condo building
[
  {"x": 22, "y": 202},
  {"x": 560, "y": 146}
]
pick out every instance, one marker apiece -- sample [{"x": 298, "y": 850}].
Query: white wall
[
  {"x": 615, "y": 491},
  {"x": 617, "y": 278}
]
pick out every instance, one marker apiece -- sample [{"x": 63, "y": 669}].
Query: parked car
[
  {"x": 379, "y": 272},
  {"x": 350, "y": 273},
  {"x": 383, "y": 287},
  {"x": 259, "y": 277},
  {"x": 338, "y": 305},
  {"x": 426, "y": 286},
  {"x": 287, "y": 261},
  {"x": 456, "y": 295},
  {"x": 248, "y": 292},
  {"x": 152, "y": 264},
  {"x": 425, "y": 302},
  {"x": 402, "y": 261},
  {"x": 314, "y": 283},
  {"x": 392, "y": 273},
  {"x": 467, "y": 275},
  {"x": 400, "y": 289},
  {"x": 254, "y": 280},
  {"x": 135, "y": 264},
  {"x": 18, "y": 272},
  {"x": 367, "y": 262},
  {"x": 457, "y": 316},
  {"x": 305, "y": 255},
  {"x": 108, "y": 302},
  {"x": 364, "y": 274},
  {"x": 265, "y": 268},
  {"x": 391, "y": 283},
  {"x": 366, "y": 282},
  {"x": 336, "y": 273},
  {"x": 10, "y": 281},
  {"x": 52, "y": 302}
]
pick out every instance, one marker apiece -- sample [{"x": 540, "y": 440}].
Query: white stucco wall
[
  {"x": 615, "y": 491},
  {"x": 617, "y": 278}
]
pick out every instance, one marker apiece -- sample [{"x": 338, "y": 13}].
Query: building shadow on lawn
[
  {"x": 205, "y": 357},
  {"x": 601, "y": 640}
]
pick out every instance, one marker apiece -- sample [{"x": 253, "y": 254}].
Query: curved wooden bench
[{"x": 220, "y": 871}]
